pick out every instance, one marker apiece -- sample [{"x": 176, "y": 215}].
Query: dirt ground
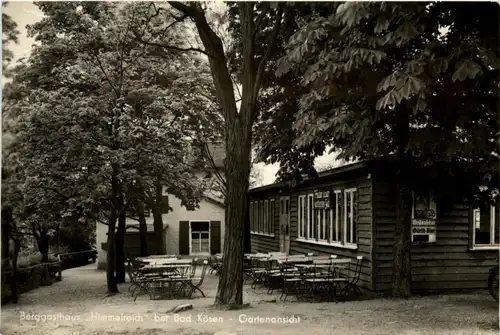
[{"x": 79, "y": 305}]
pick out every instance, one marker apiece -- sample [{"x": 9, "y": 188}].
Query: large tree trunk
[
  {"x": 238, "y": 134},
  {"x": 143, "y": 228},
  {"x": 158, "y": 219},
  {"x": 16, "y": 247},
  {"x": 401, "y": 271},
  {"x": 42, "y": 241},
  {"x": 113, "y": 216},
  {"x": 120, "y": 248},
  {"x": 248, "y": 245},
  {"x": 237, "y": 169},
  {"x": 401, "y": 252}
]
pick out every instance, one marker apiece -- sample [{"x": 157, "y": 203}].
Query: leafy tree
[
  {"x": 108, "y": 119},
  {"x": 237, "y": 121},
  {"x": 10, "y": 34},
  {"x": 413, "y": 81}
]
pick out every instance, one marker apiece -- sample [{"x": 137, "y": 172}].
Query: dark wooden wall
[
  {"x": 261, "y": 243},
  {"x": 364, "y": 229},
  {"x": 446, "y": 264},
  {"x": 358, "y": 179}
]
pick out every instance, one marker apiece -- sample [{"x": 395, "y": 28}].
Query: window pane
[
  {"x": 266, "y": 209},
  {"x": 195, "y": 242},
  {"x": 311, "y": 218},
  {"x": 251, "y": 216},
  {"x": 272, "y": 217},
  {"x": 354, "y": 217},
  {"x": 301, "y": 216},
  {"x": 482, "y": 226},
  {"x": 497, "y": 223},
  {"x": 348, "y": 213},
  {"x": 320, "y": 224},
  {"x": 327, "y": 224},
  {"x": 340, "y": 218},
  {"x": 287, "y": 205},
  {"x": 200, "y": 226}
]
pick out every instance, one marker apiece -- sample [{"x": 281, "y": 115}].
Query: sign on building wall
[
  {"x": 321, "y": 199},
  {"x": 423, "y": 227}
]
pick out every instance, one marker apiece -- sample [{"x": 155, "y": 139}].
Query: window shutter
[
  {"x": 184, "y": 237},
  {"x": 215, "y": 237}
]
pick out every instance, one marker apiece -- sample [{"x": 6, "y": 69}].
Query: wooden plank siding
[
  {"x": 262, "y": 243},
  {"x": 350, "y": 179},
  {"x": 364, "y": 228},
  {"x": 446, "y": 264}
]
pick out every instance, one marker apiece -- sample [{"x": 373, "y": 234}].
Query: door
[{"x": 284, "y": 224}]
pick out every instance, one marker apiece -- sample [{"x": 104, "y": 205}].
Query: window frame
[
  {"x": 262, "y": 217},
  {"x": 352, "y": 220},
  {"x": 472, "y": 229},
  {"x": 310, "y": 215},
  {"x": 337, "y": 218},
  {"x": 199, "y": 232},
  {"x": 301, "y": 216},
  {"x": 272, "y": 206}
]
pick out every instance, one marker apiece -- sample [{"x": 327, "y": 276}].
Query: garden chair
[
  {"x": 138, "y": 282},
  {"x": 348, "y": 277},
  {"x": 196, "y": 282},
  {"x": 272, "y": 273},
  {"x": 259, "y": 272},
  {"x": 290, "y": 280},
  {"x": 320, "y": 280}
]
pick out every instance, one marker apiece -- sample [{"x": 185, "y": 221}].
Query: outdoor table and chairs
[
  {"x": 306, "y": 277},
  {"x": 167, "y": 278}
]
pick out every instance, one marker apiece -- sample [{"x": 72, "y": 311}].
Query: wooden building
[{"x": 351, "y": 211}]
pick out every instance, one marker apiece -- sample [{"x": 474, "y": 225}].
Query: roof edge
[{"x": 324, "y": 174}]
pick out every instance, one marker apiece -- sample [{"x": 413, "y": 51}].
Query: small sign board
[
  {"x": 321, "y": 199},
  {"x": 423, "y": 225}
]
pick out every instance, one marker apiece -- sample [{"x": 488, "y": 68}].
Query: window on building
[
  {"x": 336, "y": 216},
  {"x": 310, "y": 218},
  {"x": 252, "y": 220},
  {"x": 262, "y": 217},
  {"x": 485, "y": 232},
  {"x": 200, "y": 237},
  {"x": 350, "y": 216},
  {"x": 271, "y": 217},
  {"x": 322, "y": 219},
  {"x": 336, "y": 225},
  {"x": 302, "y": 218}
]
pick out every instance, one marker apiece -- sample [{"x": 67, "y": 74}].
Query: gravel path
[{"x": 80, "y": 306}]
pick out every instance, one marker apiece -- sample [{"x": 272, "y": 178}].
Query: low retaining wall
[{"x": 29, "y": 278}]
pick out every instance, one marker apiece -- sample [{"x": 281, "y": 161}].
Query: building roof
[{"x": 324, "y": 174}]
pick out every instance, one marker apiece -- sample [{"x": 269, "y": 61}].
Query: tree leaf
[{"x": 466, "y": 69}]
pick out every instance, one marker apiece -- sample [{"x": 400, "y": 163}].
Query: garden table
[
  {"x": 163, "y": 283},
  {"x": 160, "y": 261}
]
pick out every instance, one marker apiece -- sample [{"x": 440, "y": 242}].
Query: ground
[{"x": 81, "y": 296}]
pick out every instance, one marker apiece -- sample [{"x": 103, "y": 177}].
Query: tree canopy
[{"x": 369, "y": 67}]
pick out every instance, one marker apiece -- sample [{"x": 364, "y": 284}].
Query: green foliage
[
  {"x": 92, "y": 104},
  {"x": 9, "y": 34},
  {"x": 373, "y": 69}
]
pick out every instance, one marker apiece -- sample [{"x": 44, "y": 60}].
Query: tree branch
[
  {"x": 267, "y": 55},
  {"x": 172, "y": 47},
  {"x": 105, "y": 74},
  {"x": 265, "y": 9},
  {"x": 213, "y": 166}
]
